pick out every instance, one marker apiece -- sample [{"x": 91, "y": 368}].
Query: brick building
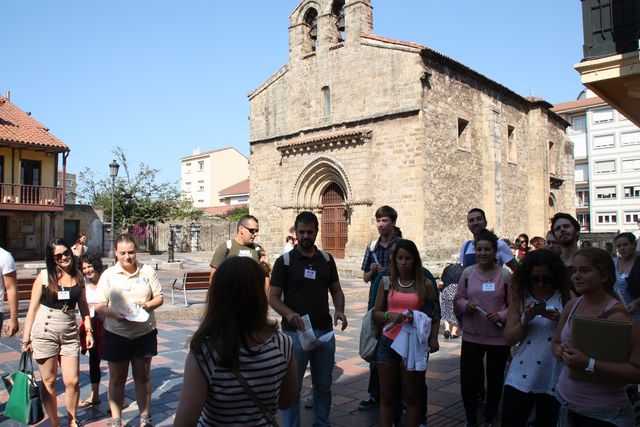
[{"x": 355, "y": 120}]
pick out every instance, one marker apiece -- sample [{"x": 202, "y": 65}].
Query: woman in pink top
[
  {"x": 586, "y": 403},
  {"x": 483, "y": 298},
  {"x": 408, "y": 290}
]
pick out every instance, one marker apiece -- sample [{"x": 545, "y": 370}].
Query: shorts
[
  {"x": 116, "y": 348},
  {"x": 384, "y": 352},
  {"x": 54, "y": 333}
]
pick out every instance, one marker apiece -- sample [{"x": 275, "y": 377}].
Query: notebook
[{"x": 602, "y": 339}]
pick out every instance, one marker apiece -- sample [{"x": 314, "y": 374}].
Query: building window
[
  {"x": 607, "y": 218},
  {"x": 630, "y": 165},
  {"x": 200, "y": 200},
  {"x": 606, "y": 166},
  {"x": 188, "y": 164},
  {"x": 2, "y": 169},
  {"x": 582, "y": 198},
  {"x": 579, "y": 124},
  {"x": 630, "y": 138},
  {"x": 631, "y": 217},
  {"x": 553, "y": 158},
  {"x": 606, "y": 192},
  {"x": 201, "y": 188},
  {"x": 603, "y": 141},
  {"x": 584, "y": 219},
  {"x": 187, "y": 183},
  {"x": 511, "y": 147},
  {"x": 603, "y": 116},
  {"x": 326, "y": 96},
  {"x": 632, "y": 191},
  {"x": 201, "y": 165}
]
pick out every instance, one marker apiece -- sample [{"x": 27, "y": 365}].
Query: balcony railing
[{"x": 31, "y": 197}]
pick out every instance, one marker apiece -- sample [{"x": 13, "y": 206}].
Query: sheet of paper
[
  {"x": 137, "y": 314},
  {"x": 308, "y": 339}
]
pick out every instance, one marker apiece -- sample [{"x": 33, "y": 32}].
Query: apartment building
[
  {"x": 203, "y": 175},
  {"x": 607, "y": 164}
]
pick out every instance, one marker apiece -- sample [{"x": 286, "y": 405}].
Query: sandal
[
  {"x": 145, "y": 421},
  {"x": 115, "y": 422},
  {"x": 85, "y": 403}
]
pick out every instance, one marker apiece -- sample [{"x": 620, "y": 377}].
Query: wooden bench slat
[{"x": 193, "y": 280}]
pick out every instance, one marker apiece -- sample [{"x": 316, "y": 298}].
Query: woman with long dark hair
[
  {"x": 482, "y": 296},
  {"x": 409, "y": 291},
  {"x": 586, "y": 403},
  {"x": 50, "y": 329},
  {"x": 237, "y": 342},
  {"x": 92, "y": 268},
  {"x": 79, "y": 247},
  {"x": 628, "y": 273},
  {"x": 540, "y": 291}
]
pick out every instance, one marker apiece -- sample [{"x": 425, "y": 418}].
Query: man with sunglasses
[{"x": 242, "y": 245}]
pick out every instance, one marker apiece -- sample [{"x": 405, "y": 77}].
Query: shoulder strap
[
  {"x": 286, "y": 258},
  {"x": 466, "y": 246},
  {"x": 325, "y": 255},
  {"x": 606, "y": 314},
  {"x": 386, "y": 282},
  {"x": 372, "y": 245},
  {"x": 269, "y": 416},
  {"x": 228, "y": 244}
]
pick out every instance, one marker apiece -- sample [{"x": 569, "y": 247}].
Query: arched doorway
[{"x": 334, "y": 221}]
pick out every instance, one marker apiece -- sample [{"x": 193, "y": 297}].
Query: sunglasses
[
  {"x": 61, "y": 255},
  {"x": 547, "y": 280},
  {"x": 252, "y": 230}
]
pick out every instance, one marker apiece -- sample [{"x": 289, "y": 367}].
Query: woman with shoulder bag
[
  {"x": 240, "y": 369},
  {"x": 51, "y": 331}
]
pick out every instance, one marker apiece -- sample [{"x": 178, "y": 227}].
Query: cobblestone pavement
[{"x": 176, "y": 324}]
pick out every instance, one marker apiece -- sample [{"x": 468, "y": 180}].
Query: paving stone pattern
[{"x": 176, "y": 324}]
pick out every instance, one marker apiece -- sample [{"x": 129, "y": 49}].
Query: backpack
[{"x": 369, "y": 333}]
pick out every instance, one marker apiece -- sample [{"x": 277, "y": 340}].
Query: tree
[
  {"x": 139, "y": 198},
  {"x": 234, "y": 214}
]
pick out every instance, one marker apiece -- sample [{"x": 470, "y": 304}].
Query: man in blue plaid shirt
[{"x": 376, "y": 259}]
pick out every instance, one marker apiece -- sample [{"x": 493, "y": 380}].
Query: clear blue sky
[{"x": 159, "y": 78}]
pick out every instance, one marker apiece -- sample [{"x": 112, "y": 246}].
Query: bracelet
[{"x": 386, "y": 316}]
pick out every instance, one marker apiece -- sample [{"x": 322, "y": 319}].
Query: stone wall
[{"x": 213, "y": 231}]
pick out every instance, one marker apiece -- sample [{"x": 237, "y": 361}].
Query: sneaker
[
  {"x": 308, "y": 400},
  {"x": 368, "y": 404}
]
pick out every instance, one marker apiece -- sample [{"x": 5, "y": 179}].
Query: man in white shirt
[
  {"x": 8, "y": 284},
  {"x": 477, "y": 222}
]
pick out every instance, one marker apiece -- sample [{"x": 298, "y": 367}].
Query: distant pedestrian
[
  {"x": 552, "y": 244},
  {"x": 289, "y": 244},
  {"x": 242, "y": 245},
  {"x": 236, "y": 341},
  {"x": 522, "y": 247},
  {"x": 537, "y": 242},
  {"x": 477, "y": 222},
  {"x": 627, "y": 266},
  {"x": 566, "y": 231},
  {"x": 79, "y": 247},
  {"x": 450, "y": 277}
]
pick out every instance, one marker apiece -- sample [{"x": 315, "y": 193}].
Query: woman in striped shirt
[{"x": 236, "y": 340}]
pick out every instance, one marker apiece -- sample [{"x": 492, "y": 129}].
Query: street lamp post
[{"x": 113, "y": 173}]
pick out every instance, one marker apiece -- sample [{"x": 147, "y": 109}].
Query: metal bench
[{"x": 198, "y": 280}]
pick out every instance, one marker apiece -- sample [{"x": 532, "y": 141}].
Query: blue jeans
[{"x": 322, "y": 360}]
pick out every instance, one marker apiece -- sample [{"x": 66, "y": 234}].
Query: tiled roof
[
  {"x": 326, "y": 136},
  {"x": 17, "y": 127},
  {"x": 221, "y": 210},
  {"x": 241, "y": 187},
  {"x": 579, "y": 103}
]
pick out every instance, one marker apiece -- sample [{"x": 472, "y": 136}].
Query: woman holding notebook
[{"x": 598, "y": 398}]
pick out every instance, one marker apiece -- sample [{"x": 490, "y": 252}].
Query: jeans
[{"x": 322, "y": 359}]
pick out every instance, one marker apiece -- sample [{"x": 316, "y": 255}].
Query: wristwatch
[{"x": 591, "y": 367}]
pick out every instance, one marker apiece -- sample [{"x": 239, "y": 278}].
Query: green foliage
[
  {"x": 139, "y": 198},
  {"x": 233, "y": 215}
]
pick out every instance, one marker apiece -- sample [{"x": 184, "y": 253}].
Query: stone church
[{"x": 355, "y": 120}]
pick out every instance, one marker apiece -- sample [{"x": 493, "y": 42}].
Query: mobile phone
[{"x": 539, "y": 307}]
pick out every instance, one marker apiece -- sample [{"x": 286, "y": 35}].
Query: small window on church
[
  {"x": 337, "y": 10},
  {"x": 326, "y": 96},
  {"x": 463, "y": 133},
  {"x": 512, "y": 149},
  {"x": 311, "y": 19}
]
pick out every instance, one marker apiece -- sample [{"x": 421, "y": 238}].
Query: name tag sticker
[
  {"x": 63, "y": 295},
  {"x": 309, "y": 274},
  {"x": 488, "y": 287},
  {"x": 125, "y": 286},
  {"x": 244, "y": 252}
]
